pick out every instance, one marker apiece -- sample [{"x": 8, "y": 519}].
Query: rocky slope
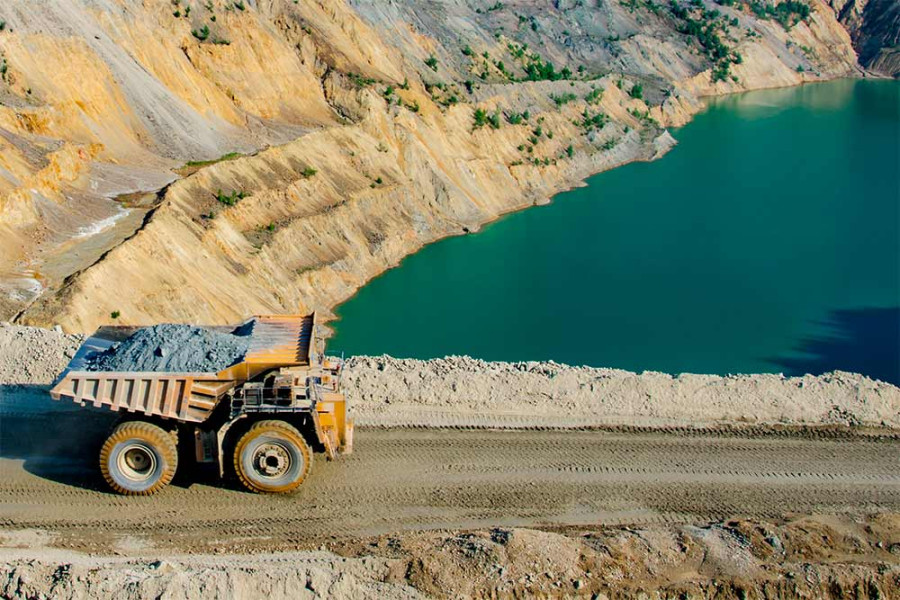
[
  {"x": 874, "y": 26},
  {"x": 364, "y": 131},
  {"x": 801, "y": 557}
]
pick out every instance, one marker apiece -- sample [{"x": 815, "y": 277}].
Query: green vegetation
[
  {"x": 360, "y": 81},
  {"x": 570, "y": 151},
  {"x": 705, "y": 30},
  {"x": 270, "y": 227},
  {"x": 643, "y": 117},
  {"x": 610, "y": 144},
  {"x": 2, "y": 25},
  {"x": 379, "y": 180},
  {"x": 205, "y": 163},
  {"x": 591, "y": 122},
  {"x": 432, "y": 63},
  {"x": 492, "y": 8},
  {"x": 308, "y": 172},
  {"x": 388, "y": 92},
  {"x": 636, "y": 91},
  {"x": 240, "y": 6},
  {"x": 514, "y": 118},
  {"x": 467, "y": 50},
  {"x": 480, "y": 118},
  {"x": 563, "y": 99},
  {"x": 494, "y": 119},
  {"x": 414, "y": 106},
  {"x": 788, "y": 13},
  {"x": 4, "y": 70},
  {"x": 201, "y": 34},
  {"x": 115, "y": 314},
  {"x": 594, "y": 96},
  {"x": 405, "y": 84},
  {"x": 230, "y": 199}
]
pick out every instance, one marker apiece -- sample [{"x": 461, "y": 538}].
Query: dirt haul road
[{"x": 424, "y": 479}]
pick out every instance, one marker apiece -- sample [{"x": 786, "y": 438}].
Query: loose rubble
[
  {"x": 173, "y": 348},
  {"x": 31, "y": 355}
]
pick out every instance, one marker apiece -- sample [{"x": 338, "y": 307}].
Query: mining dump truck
[{"x": 260, "y": 419}]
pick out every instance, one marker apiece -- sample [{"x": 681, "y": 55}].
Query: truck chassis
[{"x": 260, "y": 419}]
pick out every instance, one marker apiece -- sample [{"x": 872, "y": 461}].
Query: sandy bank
[
  {"x": 461, "y": 391},
  {"x": 465, "y": 392}
]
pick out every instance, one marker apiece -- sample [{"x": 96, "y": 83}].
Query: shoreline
[{"x": 581, "y": 181}]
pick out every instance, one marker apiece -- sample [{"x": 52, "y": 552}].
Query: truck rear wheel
[
  {"x": 138, "y": 458},
  {"x": 272, "y": 457}
]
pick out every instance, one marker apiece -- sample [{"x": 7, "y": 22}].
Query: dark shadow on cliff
[{"x": 865, "y": 341}]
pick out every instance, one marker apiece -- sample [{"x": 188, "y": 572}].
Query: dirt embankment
[
  {"x": 466, "y": 392},
  {"x": 461, "y": 391},
  {"x": 818, "y": 557},
  {"x": 375, "y": 129}
]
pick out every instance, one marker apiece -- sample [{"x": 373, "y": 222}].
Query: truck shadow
[{"x": 61, "y": 443}]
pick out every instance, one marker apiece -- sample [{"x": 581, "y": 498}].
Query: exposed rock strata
[
  {"x": 346, "y": 91},
  {"x": 874, "y": 26}
]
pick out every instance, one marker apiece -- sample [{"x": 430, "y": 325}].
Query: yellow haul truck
[{"x": 263, "y": 416}]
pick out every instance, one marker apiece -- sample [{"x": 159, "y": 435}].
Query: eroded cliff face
[
  {"x": 874, "y": 26},
  {"x": 364, "y": 131}
]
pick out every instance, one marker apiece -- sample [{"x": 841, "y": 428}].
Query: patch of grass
[
  {"x": 205, "y": 163},
  {"x": 201, "y": 34},
  {"x": 591, "y": 122},
  {"x": 360, "y": 81},
  {"x": 432, "y": 63},
  {"x": 594, "y": 96},
  {"x": 563, "y": 99},
  {"x": 230, "y": 199},
  {"x": 514, "y": 118},
  {"x": 240, "y": 6},
  {"x": 413, "y": 106},
  {"x": 308, "y": 172},
  {"x": 494, "y": 119},
  {"x": 479, "y": 118}
]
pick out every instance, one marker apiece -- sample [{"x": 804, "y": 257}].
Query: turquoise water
[{"x": 768, "y": 240}]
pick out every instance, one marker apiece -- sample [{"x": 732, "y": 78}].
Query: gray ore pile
[{"x": 173, "y": 348}]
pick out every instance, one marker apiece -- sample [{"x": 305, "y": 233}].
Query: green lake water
[{"x": 768, "y": 240}]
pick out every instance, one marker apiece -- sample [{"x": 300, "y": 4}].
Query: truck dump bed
[{"x": 275, "y": 341}]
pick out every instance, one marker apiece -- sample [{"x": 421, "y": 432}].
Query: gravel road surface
[{"x": 419, "y": 479}]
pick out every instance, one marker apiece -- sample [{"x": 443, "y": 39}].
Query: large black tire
[
  {"x": 138, "y": 458},
  {"x": 272, "y": 457}
]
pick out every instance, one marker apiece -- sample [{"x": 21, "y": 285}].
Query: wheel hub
[
  {"x": 272, "y": 460},
  {"x": 137, "y": 462}
]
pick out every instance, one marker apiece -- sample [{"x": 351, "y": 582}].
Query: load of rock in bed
[{"x": 174, "y": 349}]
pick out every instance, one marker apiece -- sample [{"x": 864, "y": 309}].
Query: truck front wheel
[
  {"x": 272, "y": 457},
  {"x": 138, "y": 458}
]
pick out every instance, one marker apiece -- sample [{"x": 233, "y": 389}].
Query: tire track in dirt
[{"x": 411, "y": 479}]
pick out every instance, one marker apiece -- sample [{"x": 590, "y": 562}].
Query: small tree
[
  {"x": 637, "y": 91},
  {"x": 432, "y": 63},
  {"x": 480, "y": 118}
]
